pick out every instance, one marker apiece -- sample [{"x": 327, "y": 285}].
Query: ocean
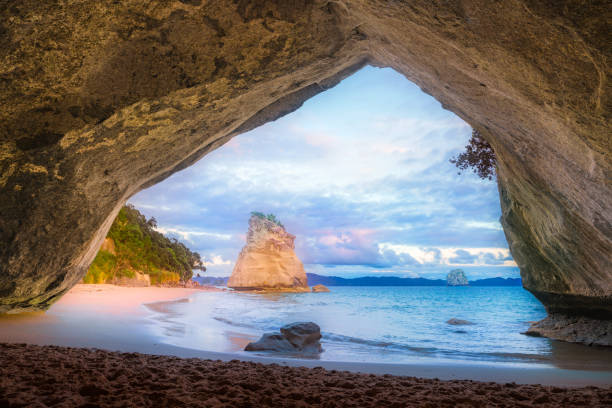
[{"x": 377, "y": 324}]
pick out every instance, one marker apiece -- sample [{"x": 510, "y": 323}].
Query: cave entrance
[{"x": 360, "y": 174}]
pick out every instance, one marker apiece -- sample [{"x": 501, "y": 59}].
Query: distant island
[
  {"x": 456, "y": 277},
  {"x": 314, "y": 279},
  {"x": 135, "y": 254}
]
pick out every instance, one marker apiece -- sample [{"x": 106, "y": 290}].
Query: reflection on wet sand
[
  {"x": 238, "y": 341},
  {"x": 105, "y": 316},
  {"x": 29, "y": 317},
  {"x": 573, "y": 356},
  {"x": 166, "y": 315}
]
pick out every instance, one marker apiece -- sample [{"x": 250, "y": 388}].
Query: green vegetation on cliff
[
  {"x": 138, "y": 248},
  {"x": 269, "y": 217}
]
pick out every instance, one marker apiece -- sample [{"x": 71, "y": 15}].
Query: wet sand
[
  {"x": 121, "y": 299},
  {"x": 102, "y": 316},
  {"x": 38, "y": 376}
]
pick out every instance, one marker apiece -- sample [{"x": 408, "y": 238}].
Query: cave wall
[{"x": 99, "y": 100}]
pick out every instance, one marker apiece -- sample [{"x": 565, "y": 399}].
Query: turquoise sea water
[{"x": 372, "y": 324}]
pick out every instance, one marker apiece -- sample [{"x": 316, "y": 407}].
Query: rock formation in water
[
  {"x": 320, "y": 288},
  {"x": 458, "y": 322},
  {"x": 303, "y": 337},
  {"x": 268, "y": 261},
  {"x": 99, "y": 100},
  {"x": 592, "y": 332},
  {"x": 456, "y": 277}
]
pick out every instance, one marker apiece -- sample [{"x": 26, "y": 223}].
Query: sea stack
[
  {"x": 268, "y": 261},
  {"x": 456, "y": 277}
]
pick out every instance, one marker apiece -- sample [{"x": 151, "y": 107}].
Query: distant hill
[
  {"x": 211, "y": 280},
  {"x": 497, "y": 282},
  {"x": 314, "y": 279},
  {"x": 133, "y": 249}
]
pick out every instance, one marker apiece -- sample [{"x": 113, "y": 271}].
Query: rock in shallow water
[
  {"x": 295, "y": 337},
  {"x": 592, "y": 332},
  {"x": 271, "y": 342},
  {"x": 320, "y": 288},
  {"x": 458, "y": 322}
]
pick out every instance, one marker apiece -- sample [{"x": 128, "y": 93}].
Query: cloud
[
  {"x": 463, "y": 257},
  {"x": 215, "y": 260},
  {"x": 438, "y": 256},
  {"x": 189, "y": 234}
]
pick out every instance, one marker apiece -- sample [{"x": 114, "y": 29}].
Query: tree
[
  {"x": 479, "y": 156},
  {"x": 139, "y": 247},
  {"x": 152, "y": 222}
]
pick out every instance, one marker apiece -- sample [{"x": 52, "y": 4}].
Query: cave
[{"x": 101, "y": 101}]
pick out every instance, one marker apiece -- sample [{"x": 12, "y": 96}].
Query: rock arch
[{"x": 101, "y": 100}]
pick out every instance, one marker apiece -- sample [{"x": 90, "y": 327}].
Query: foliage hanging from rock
[{"x": 479, "y": 156}]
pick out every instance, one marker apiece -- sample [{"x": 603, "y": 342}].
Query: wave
[
  {"x": 436, "y": 352},
  {"x": 376, "y": 343},
  {"x": 235, "y": 324}
]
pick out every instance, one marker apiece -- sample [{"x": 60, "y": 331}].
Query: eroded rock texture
[
  {"x": 268, "y": 260},
  {"x": 101, "y": 99},
  {"x": 456, "y": 277}
]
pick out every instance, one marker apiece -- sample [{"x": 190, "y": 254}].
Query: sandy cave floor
[{"x": 53, "y": 376}]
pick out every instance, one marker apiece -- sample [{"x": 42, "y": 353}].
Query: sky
[{"x": 360, "y": 174}]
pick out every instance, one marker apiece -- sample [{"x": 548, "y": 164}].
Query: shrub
[
  {"x": 479, "y": 156},
  {"x": 269, "y": 217}
]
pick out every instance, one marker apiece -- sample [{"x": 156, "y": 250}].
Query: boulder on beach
[
  {"x": 301, "y": 337},
  {"x": 268, "y": 261},
  {"x": 456, "y": 277},
  {"x": 458, "y": 322},
  {"x": 320, "y": 288},
  {"x": 271, "y": 342}
]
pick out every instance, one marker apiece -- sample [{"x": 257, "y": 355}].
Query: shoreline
[
  {"x": 127, "y": 306},
  {"x": 126, "y": 299}
]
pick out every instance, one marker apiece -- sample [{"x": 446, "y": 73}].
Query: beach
[
  {"x": 95, "y": 347},
  {"x": 60, "y": 376}
]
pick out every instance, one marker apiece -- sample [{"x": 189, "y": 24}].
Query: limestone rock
[
  {"x": 271, "y": 342},
  {"x": 458, "y": 322},
  {"x": 268, "y": 261},
  {"x": 300, "y": 337},
  {"x": 102, "y": 99},
  {"x": 108, "y": 245},
  {"x": 304, "y": 336},
  {"x": 139, "y": 279},
  {"x": 456, "y": 277},
  {"x": 593, "y": 332},
  {"x": 320, "y": 288}
]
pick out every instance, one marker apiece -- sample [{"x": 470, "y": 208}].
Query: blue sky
[{"x": 360, "y": 174}]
